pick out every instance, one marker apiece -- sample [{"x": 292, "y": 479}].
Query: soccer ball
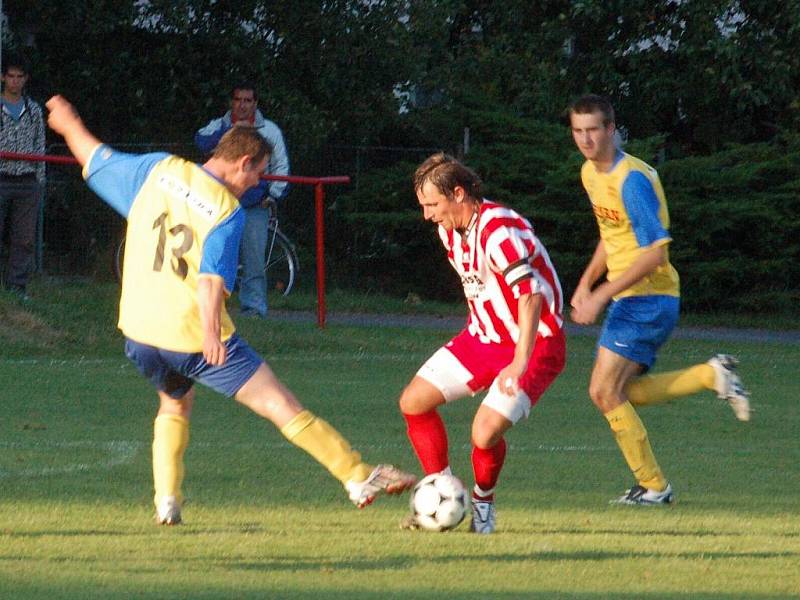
[{"x": 439, "y": 502}]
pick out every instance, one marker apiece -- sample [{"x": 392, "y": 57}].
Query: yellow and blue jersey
[
  {"x": 631, "y": 211},
  {"x": 182, "y": 222}
]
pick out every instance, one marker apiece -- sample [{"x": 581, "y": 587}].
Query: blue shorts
[
  {"x": 174, "y": 373},
  {"x": 637, "y": 326}
]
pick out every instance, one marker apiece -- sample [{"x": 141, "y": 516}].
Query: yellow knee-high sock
[
  {"x": 632, "y": 439},
  {"x": 327, "y": 446},
  {"x": 654, "y": 389},
  {"x": 170, "y": 438}
]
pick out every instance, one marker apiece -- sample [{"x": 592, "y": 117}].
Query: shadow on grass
[
  {"x": 406, "y": 562},
  {"x": 22, "y": 590},
  {"x": 76, "y": 533}
]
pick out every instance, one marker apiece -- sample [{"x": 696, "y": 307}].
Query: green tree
[{"x": 706, "y": 72}]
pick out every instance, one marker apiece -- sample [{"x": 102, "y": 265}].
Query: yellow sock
[
  {"x": 170, "y": 438},
  {"x": 653, "y": 389},
  {"x": 327, "y": 446},
  {"x": 632, "y": 439}
]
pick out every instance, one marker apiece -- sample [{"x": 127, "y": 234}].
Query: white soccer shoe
[
  {"x": 641, "y": 496},
  {"x": 384, "y": 479},
  {"x": 484, "y": 516},
  {"x": 168, "y": 511},
  {"x": 728, "y": 385}
]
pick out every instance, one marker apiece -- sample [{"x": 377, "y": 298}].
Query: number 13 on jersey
[{"x": 179, "y": 233}]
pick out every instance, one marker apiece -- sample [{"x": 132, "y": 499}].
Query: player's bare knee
[
  {"x": 405, "y": 403},
  {"x": 604, "y": 398},
  {"x": 412, "y": 402},
  {"x": 485, "y": 438},
  {"x": 176, "y": 406},
  {"x": 488, "y": 429},
  {"x": 598, "y": 393}
]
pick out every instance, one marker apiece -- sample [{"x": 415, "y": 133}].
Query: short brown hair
[
  {"x": 593, "y": 103},
  {"x": 242, "y": 86},
  {"x": 13, "y": 61},
  {"x": 240, "y": 141},
  {"x": 445, "y": 172}
]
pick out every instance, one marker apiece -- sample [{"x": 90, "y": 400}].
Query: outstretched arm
[{"x": 65, "y": 121}]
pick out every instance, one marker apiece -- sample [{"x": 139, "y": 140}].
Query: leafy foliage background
[{"x": 706, "y": 89}]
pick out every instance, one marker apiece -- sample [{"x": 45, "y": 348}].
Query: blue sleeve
[
  {"x": 221, "y": 249},
  {"x": 207, "y": 138},
  {"x": 255, "y": 194},
  {"x": 643, "y": 206},
  {"x": 117, "y": 177}
]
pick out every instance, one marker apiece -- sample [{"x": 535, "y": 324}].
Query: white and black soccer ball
[{"x": 439, "y": 502}]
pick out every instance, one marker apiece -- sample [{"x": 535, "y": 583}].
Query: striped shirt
[
  {"x": 26, "y": 136},
  {"x": 499, "y": 258}
]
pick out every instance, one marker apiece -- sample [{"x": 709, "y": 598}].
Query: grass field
[{"x": 264, "y": 521}]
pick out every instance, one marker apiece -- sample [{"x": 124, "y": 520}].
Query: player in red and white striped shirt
[{"x": 513, "y": 343}]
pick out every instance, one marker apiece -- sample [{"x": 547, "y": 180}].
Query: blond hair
[{"x": 242, "y": 140}]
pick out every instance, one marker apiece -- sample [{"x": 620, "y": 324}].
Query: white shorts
[{"x": 466, "y": 366}]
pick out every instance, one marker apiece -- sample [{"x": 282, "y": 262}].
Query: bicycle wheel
[{"x": 281, "y": 265}]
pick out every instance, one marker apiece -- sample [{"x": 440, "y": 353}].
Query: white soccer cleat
[
  {"x": 484, "y": 516},
  {"x": 641, "y": 496},
  {"x": 728, "y": 385},
  {"x": 168, "y": 511},
  {"x": 384, "y": 479}
]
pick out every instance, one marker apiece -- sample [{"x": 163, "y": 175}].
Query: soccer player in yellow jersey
[
  {"x": 182, "y": 240},
  {"x": 641, "y": 290}
]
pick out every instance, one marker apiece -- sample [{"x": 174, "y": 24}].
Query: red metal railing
[{"x": 319, "y": 184}]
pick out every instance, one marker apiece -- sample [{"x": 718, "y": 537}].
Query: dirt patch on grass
[{"x": 20, "y": 327}]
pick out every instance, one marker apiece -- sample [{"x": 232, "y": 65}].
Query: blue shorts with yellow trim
[
  {"x": 174, "y": 373},
  {"x": 637, "y": 326}
]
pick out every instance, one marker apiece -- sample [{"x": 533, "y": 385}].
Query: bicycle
[{"x": 281, "y": 265}]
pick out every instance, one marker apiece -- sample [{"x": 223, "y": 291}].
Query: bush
[{"x": 734, "y": 217}]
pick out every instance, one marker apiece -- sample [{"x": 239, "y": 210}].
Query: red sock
[
  {"x": 487, "y": 464},
  {"x": 429, "y": 439}
]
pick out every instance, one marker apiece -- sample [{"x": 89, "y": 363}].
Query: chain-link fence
[{"x": 79, "y": 232}]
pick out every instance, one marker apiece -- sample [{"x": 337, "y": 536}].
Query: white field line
[
  {"x": 404, "y": 445},
  {"x": 120, "y": 452},
  {"x": 126, "y": 446},
  {"x": 117, "y": 453},
  {"x": 61, "y": 362},
  {"x": 123, "y": 363},
  {"x": 767, "y": 357}
]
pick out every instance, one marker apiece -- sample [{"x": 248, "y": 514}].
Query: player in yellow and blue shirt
[
  {"x": 641, "y": 290},
  {"x": 183, "y": 222},
  {"x": 184, "y": 228}
]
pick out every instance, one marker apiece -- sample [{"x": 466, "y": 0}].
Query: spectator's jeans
[
  {"x": 19, "y": 212},
  {"x": 253, "y": 286}
]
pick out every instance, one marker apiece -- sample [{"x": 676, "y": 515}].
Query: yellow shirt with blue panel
[
  {"x": 631, "y": 211},
  {"x": 182, "y": 223}
]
